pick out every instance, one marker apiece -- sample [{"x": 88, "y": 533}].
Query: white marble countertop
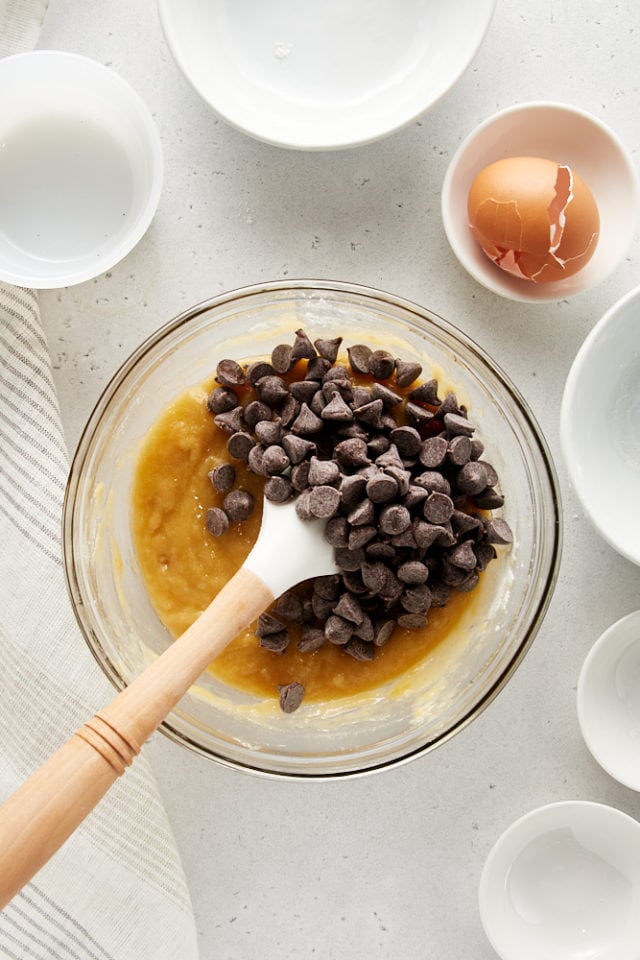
[{"x": 386, "y": 866}]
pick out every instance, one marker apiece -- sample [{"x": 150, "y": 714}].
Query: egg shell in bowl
[
  {"x": 535, "y": 218},
  {"x": 565, "y": 134}
]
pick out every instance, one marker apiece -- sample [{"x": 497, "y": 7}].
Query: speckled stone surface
[{"x": 383, "y": 867}]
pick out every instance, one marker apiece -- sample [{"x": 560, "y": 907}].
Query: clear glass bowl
[{"x": 429, "y": 703}]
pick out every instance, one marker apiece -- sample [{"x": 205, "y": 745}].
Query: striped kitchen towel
[{"x": 116, "y": 889}]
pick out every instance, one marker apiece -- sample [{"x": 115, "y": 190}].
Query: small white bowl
[
  {"x": 563, "y": 882},
  {"x": 609, "y": 700},
  {"x": 600, "y": 425},
  {"x": 556, "y": 132},
  {"x": 321, "y": 76},
  {"x": 80, "y": 169}
]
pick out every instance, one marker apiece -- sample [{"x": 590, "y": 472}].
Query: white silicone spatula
[{"x": 37, "y": 819}]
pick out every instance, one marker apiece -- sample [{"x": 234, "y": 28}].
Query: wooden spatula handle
[{"x": 37, "y": 819}]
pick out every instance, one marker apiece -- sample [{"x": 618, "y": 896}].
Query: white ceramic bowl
[
  {"x": 600, "y": 425},
  {"x": 609, "y": 700},
  {"x": 557, "y": 132},
  {"x": 80, "y": 169},
  {"x": 320, "y": 76},
  {"x": 563, "y": 883}
]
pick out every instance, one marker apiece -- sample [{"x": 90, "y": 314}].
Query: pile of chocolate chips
[{"x": 395, "y": 471}]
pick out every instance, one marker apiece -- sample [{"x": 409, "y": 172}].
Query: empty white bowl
[
  {"x": 556, "y": 132},
  {"x": 320, "y": 76},
  {"x": 609, "y": 700},
  {"x": 563, "y": 883},
  {"x": 80, "y": 169},
  {"x": 600, "y": 425}
]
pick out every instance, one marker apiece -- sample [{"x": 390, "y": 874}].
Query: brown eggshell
[{"x": 535, "y": 218}]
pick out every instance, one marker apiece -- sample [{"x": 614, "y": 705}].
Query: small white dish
[
  {"x": 563, "y": 883},
  {"x": 609, "y": 700},
  {"x": 321, "y": 76},
  {"x": 600, "y": 425},
  {"x": 556, "y": 132},
  {"x": 80, "y": 169}
]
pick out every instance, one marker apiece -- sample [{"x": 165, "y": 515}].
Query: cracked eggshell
[{"x": 535, "y": 218}]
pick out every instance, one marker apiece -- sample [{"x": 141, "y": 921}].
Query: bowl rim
[
  {"x": 166, "y": 10},
  {"x": 576, "y": 370},
  {"x": 500, "y": 283},
  {"x": 147, "y": 126},
  {"x": 313, "y": 286}
]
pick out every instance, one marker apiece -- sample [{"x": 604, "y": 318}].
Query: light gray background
[{"x": 386, "y": 866}]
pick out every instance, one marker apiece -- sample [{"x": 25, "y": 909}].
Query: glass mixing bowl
[{"x": 434, "y": 699}]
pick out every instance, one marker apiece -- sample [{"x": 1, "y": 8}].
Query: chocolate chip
[
  {"x": 274, "y": 460},
  {"x": 381, "y": 488},
  {"x": 238, "y": 505},
  {"x": 312, "y": 638},
  {"x": 477, "y": 449},
  {"x": 383, "y": 630},
  {"x": 327, "y": 586},
  {"x": 255, "y": 371},
  {"x": 426, "y": 534},
  {"x": 321, "y": 607},
  {"x": 352, "y": 453},
  {"x": 412, "y": 621},
  {"x": 281, "y": 360},
  {"x": 303, "y": 349},
  {"x": 359, "y": 355},
  {"x": 239, "y": 444},
  {"x": 472, "y": 477},
  {"x": 300, "y": 476},
  {"x": 406, "y": 372},
  {"x": 217, "y": 521},
  {"x": 230, "y": 421},
  {"x": 297, "y": 448},
  {"x": 306, "y": 423},
  {"x": 269, "y": 431},
  {"x": 349, "y": 609},
  {"x": 304, "y": 390},
  {"x": 413, "y": 572},
  {"x": 492, "y": 476},
  {"x": 427, "y": 392},
  {"x": 222, "y": 477},
  {"x": 318, "y": 403},
  {"x": 272, "y": 390},
  {"x": 463, "y": 556},
  {"x": 349, "y": 559},
  {"x": 438, "y": 508},
  {"x": 255, "y": 411},
  {"x": 352, "y": 489},
  {"x": 388, "y": 396},
  {"x": 323, "y": 472},
  {"x": 433, "y": 482},
  {"x": 221, "y": 399},
  {"x": 337, "y": 409},
  {"x": 416, "y": 599},
  {"x": 254, "y": 460},
  {"x": 337, "y": 533},
  {"x": 328, "y": 348},
  {"x": 370, "y": 413},
  {"x": 278, "y": 489},
  {"x": 291, "y": 696},
  {"x": 268, "y": 624},
  {"x": 407, "y": 440},
  {"x": 459, "y": 450},
  {"x": 230, "y": 373},
  {"x": 276, "y": 642},
  {"x": 418, "y": 415},
  {"x": 457, "y": 425},
  {"x": 498, "y": 531},
  {"x": 394, "y": 519},
  {"x": 324, "y": 501},
  {"x": 359, "y": 649},
  {"x": 338, "y": 630},
  {"x": 289, "y": 607},
  {"x": 415, "y": 496},
  {"x": 381, "y": 364},
  {"x": 433, "y": 452},
  {"x": 489, "y": 499}
]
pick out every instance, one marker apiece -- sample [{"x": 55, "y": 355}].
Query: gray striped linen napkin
[{"x": 116, "y": 889}]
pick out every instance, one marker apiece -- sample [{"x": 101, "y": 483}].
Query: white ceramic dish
[
  {"x": 80, "y": 169},
  {"x": 321, "y": 76},
  {"x": 609, "y": 700},
  {"x": 557, "y": 132},
  {"x": 563, "y": 883},
  {"x": 600, "y": 425}
]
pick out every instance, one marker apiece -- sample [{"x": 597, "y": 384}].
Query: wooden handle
[{"x": 43, "y": 812}]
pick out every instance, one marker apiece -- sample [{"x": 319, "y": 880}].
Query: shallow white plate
[
  {"x": 563, "y": 883},
  {"x": 312, "y": 75},
  {"x": 600, "y": 425},
  {"x": 609, "y": 700},
  {"x": 564, "y": 134}
]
